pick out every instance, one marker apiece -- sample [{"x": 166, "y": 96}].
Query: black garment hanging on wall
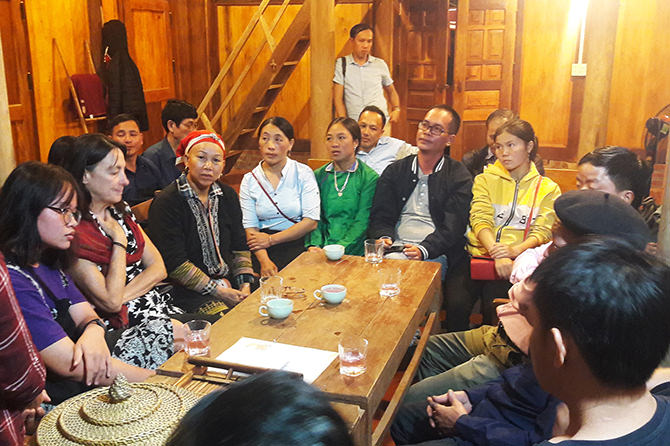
[{"x": 122, "y": 78}]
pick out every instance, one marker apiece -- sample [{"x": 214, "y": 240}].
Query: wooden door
[
  {"x": 17, "y": 71},
  {"x": 422, "y": 34},
  {"x": 150, "y": 44},
  {"x": 483, "y": 66}
]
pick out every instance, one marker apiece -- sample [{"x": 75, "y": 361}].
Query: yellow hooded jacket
[{"x": 503, "y": 205}]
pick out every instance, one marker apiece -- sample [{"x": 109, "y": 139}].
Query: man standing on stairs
[{"x": 361, "y": 79}]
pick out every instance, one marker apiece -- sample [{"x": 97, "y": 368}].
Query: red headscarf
[{"x": 196, "y": 137}]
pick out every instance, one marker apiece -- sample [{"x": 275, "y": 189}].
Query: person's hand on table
[
  {"x": 504, "y": 267},
  {"x": 259, "y": 240},
  {"x": 444, "y": 410},
  {"x": 230, "y": 296},
  {"x": 314, "y": 249},
  {"x": 268, "y": 268},
  {"x": 502, "y": 251},
  {"x": 246, "y": 288},
  {"x": 91, "y": 348}
]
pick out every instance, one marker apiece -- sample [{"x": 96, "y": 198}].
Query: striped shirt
[{"x": 22, "y": 373}]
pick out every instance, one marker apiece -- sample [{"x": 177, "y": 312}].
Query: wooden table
[{"x": 388, "y": 324}]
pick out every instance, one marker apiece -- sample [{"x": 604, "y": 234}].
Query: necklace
[{"x": 344, "y": 186}]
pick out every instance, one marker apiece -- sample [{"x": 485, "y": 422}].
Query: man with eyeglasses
[
  {"x": 179, "y": 119},
  {"x": 379, "y": 151},
  {"x": 422, "y": 201}
]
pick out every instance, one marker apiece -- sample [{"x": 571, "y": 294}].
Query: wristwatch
[{"x": 96, "y": 321}]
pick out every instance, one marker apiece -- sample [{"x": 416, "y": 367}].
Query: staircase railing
[{"x": 232, "y": 57}]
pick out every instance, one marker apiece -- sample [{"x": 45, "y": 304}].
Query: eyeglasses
[
  {"x": 68, "y": 215},
  {"x": 434, "y": 130}
]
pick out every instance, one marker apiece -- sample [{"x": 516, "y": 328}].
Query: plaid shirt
[{"x": 22, "y": 372}]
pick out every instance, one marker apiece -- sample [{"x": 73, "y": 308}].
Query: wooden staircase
[
  {"x": 286, "y": 55},
  {"x": 285, "y": 58}
]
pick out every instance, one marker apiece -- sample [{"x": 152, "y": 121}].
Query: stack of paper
[{"x": 310, "y": 362}]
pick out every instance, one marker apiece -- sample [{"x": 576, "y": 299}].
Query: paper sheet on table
[{"x": 310, "y": 362}]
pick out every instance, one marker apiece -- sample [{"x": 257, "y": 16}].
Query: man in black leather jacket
[{"x": 423, "y": 201}]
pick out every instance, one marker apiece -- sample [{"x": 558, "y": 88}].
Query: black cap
[{"x": 586, "y": 212}]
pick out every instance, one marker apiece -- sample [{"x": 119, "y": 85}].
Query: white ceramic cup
[
  {"x": 333, "y": 252},
  {"x": 278, "y": 308},
  {"x": 333, "y": 293}
]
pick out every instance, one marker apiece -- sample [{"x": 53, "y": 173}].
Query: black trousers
[{"x": 461, "y": 293}]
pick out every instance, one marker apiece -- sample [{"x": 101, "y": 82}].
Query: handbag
[
  {"x": 272, "y": 201},
  {"x": 484, "y": 267}
]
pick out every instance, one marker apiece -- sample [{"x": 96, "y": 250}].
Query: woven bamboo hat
[{"x": 121, "y": 414}]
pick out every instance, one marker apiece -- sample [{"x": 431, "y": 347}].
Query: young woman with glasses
[{"x": 35, "y": 238}]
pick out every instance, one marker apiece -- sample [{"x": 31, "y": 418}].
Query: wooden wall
[
  {"x": 640, "y": 79},
  {"x": 110, "y": 10},
  {"x": 548, "y": 96},
  {"x": 293, "y": 101},
  {"x": 549, "y": 45},
  {"x": 185, "y": 40},
  {"x": 46, "y": 20}
]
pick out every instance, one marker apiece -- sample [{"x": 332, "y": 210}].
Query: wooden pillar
[
  {"x": 6, "y": 144},
  {"x": 322, "y": 53},
  {"x": 664, "y": 228},
  {"x": 383, "y": 29},
  {"x": 600, "y": 37}
]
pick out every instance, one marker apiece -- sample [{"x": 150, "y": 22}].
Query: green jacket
[{"x": 344, "y": 219}]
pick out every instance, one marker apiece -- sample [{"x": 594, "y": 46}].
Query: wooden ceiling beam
[{"x": 279, "y": 2}]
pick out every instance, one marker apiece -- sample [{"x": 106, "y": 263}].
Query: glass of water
[
  {"x": 374, "y": 251},
  {"x": 197, "y": 337},
  {"x": 352, "y": 350},
  {"x": 271, "y": 287},
  {"x": 389, "y": 282}
]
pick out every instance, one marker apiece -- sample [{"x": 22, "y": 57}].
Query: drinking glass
[
  {"x": 197, "y": 337},
  {"x": 271, "y": 287},
  {"x": 374, "y": 251},
  {"x": 352, "y": 350},
  {"x": 389, "y": 282}
]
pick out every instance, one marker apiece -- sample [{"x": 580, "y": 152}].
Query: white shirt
[
  {"x": 363, "y": 84},
  {"x": 415, "y": 222},
  {"x": 386, "y": 151},
  {"x": 297, "y": 195}
]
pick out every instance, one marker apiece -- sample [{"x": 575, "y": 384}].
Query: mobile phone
[{"x": 394, "y": 248}]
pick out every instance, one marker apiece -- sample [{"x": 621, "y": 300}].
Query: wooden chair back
[
  {"x": 141, "y": 210},
  {"x": 565, "y": 178},
  {"x": 315, "y": 163}
]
